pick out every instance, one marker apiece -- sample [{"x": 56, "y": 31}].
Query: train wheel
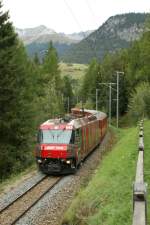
[
  {"x": 40, "y": 169},
  {"x": 74, "y": 167},
  {"x": 80, "y": 164}
]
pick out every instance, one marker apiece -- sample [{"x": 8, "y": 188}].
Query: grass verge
[
  {"x": 107, "y": 200},
  {"x": 74, "y": 70}
]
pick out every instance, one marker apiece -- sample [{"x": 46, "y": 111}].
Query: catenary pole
[
  {"x": 109, "y": 103},
  {"x": 110, "y": 93},
  {"x": 117, "y": 107}
]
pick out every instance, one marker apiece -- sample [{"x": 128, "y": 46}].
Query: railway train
[{"x": 63, "y": 143}]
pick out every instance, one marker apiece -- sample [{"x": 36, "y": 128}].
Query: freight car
[{"x": 64, "y": 143}]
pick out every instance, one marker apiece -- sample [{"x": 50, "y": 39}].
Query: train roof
[{"x": 75, "y": 120}]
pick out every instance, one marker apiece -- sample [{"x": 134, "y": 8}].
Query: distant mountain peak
[
  {"x": 43, "y": 34},
  {"x": 35, "y": 31}
]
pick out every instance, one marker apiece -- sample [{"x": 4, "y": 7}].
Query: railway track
[
  {"x": 21, "y": 195},
  {"x": 14, "y": 211}
]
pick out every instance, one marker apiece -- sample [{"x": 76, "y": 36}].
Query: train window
[
  {"x": 72, "y": 137},
  {"x": 55, "y": 136},
  {"x": 78, "y": 135},
  {"x": 39, "y": 136}
]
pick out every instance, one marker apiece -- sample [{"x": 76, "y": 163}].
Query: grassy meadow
[
  {"x": 75, "y": 71},
  {"x": 107, "y": 200}
]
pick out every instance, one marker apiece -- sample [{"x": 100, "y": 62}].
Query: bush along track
[{"x": 107, "y": 200}]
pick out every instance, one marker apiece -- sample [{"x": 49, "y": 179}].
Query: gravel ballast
[{"x": 11, "y": 195}]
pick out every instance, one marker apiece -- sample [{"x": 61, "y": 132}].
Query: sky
[{"x": 69, "y": 16}]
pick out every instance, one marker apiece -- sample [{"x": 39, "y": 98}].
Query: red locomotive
[{"x": 64, "y": 143}]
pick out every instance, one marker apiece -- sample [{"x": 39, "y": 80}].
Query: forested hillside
[
  {"x": 118, "y": 32},
  {"x": 134, "y": 84},
  {"x": 41, "y": 48}
]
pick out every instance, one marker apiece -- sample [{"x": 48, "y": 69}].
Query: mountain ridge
[
  {"x": 116, "y": 33},
  {"x": 43, "y": 34},
  {"x": 37, "y": 39}
]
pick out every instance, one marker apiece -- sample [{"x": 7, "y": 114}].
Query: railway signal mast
[
  {"x": 110, "y": 88},
  {"x": 117, "y": 107}
]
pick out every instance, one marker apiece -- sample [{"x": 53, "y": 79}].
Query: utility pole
[
  {"x": 117, "y": 107},
  {"x": 110, "y": 103},
  {"x": 110, "y": 88}
]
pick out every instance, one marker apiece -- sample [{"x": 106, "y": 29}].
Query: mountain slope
[
  {"x": 79, "y": 36},
  {"x": 37, "y": 39},
  {"x": 41, "y": 48},
  {"x": 116, "y": 33}
]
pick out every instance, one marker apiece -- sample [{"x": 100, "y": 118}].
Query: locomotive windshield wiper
[
  {"x": 58, "y": 135},
  {"x": 51, "y": 133}
]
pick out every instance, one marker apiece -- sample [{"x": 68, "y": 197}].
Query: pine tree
[
  {"x": 91, "y": 82},
  {"x": 16, "y": 114},
  {"x": 67, "y": 93},
  {"x": 52, "y": 84}
]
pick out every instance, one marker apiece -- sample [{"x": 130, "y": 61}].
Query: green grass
[
  {"x": 107, "y": 200},
  {"x": 76, "y": 71}
]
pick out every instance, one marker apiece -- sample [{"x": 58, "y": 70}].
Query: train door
[
  {"x": 83, "y": 141},
  {"x": 98, "y": 132},
  {"x": 94, "y": 133},
  {"x": 78, "y": 142},
  {"x": 101, "y": 128},
  {"x": 91, "y": 134},
  {"x": 87, "y": 138}
]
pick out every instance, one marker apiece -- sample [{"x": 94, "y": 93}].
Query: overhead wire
[
  {"x": 94, "y": 20},
  {"x": 77, "y": 22},
  {"x": 93, "y": 47},
  {"x": 73, "y": 15},
  {"x": 91, "y": 10}
]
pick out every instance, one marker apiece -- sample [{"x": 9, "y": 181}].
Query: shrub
[{"x": 139, "y": 104}]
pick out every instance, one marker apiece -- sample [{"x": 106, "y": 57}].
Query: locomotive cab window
[
  {"x": 39, "y": 137},
  {"x": 55, "y": 136}
]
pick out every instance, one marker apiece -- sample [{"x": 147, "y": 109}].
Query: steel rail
[
  {"x": 36, "y": 201},
  {"x": 24, "y": 193}
]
